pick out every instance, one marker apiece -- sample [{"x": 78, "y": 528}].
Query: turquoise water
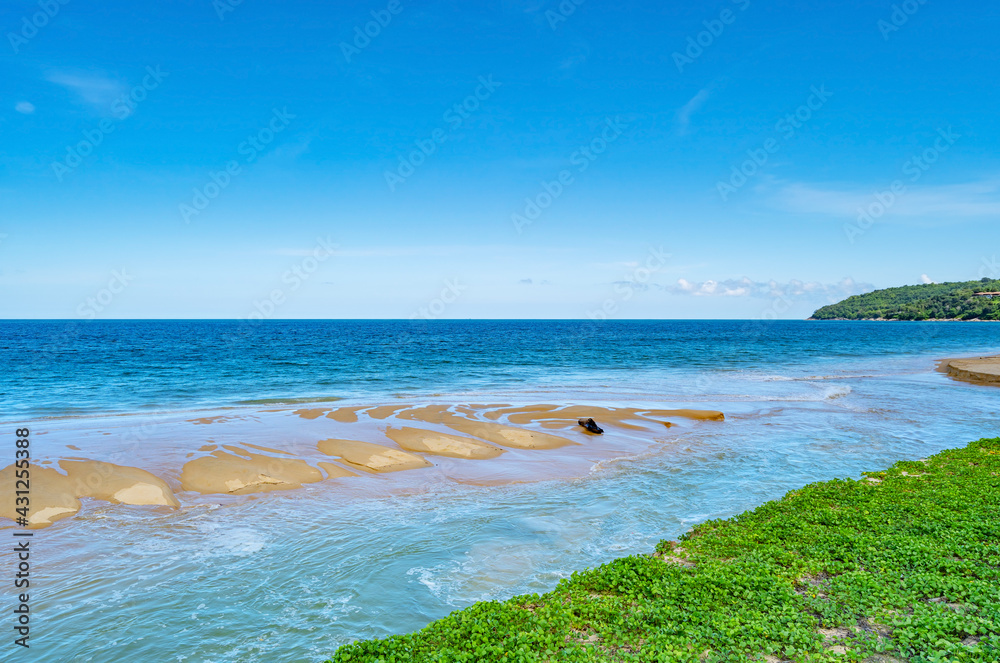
[{"x": 288, "y": 576}]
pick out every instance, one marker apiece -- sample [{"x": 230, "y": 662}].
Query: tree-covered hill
[{"x": 934, "y": 301}]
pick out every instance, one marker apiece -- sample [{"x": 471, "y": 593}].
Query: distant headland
[{"x": 969, "y": 300}]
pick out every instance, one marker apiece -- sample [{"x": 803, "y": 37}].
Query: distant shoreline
[{"x": 811, "y": 319}]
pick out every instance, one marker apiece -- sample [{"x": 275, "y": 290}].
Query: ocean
[{"x": 289, "y": 575}]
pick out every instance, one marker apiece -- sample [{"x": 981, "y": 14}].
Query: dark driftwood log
[{"x": 591, "y": 426}]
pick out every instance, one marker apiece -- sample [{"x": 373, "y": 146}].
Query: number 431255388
[{"x": 22, "y": 472}]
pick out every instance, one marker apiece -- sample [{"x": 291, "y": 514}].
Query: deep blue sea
[
  {"x": 287, "y": 576},
  {"x": 58, "y": 368}
]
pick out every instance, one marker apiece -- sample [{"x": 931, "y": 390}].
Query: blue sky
[{"x": 489, "y": 160}]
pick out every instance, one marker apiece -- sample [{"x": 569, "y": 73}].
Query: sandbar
[
  {"x": 372, "y": 457},
  {"x": 346, "y": 415},
  {"x": 981, "y": 370},
  {"x": 554, "y": 416},
  {"x": 117, "y": 484},
  {"x": 311, "y": 413},
  {"x": 226, "y": 465},
  {"x": 697, "y": 415},
  {"x": 268, "y": 449},
  {"x": 51, "y": 497},
  {"x": 209, "y": 420},
  {"x": 432, "y": 414},
  {"x": 55, "y": 496},
  {"x": 384, "y": 411},
  {"x": 222, "y": 472},
  {"x": 509, "y": 436},
  {"x": 334, "y": 471},
  {"x": 442, "y": 444}
]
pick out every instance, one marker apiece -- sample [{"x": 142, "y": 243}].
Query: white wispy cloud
[
  {"x": 25, "y": 107},
  {"x": 746, "y": 287},
  {"x": 95, "y": 90},
  {"x": 948, "y": 202},
  {"x": 387, "y": 252},
  {"x": 687, "y": 110}
]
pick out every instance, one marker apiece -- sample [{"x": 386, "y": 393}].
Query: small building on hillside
[{"x": 987, "y": 295}]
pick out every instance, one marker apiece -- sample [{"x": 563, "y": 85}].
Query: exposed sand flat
[
  {"x": 346, "y": 415},
  {"x": 224, "y": 464},
  {"x": 311, "y": 413},
  {"x": 227, "y": 473},
  {"x": 524, "y": 409},
  {"x": 334, "y": 471},
  {"x": 472, "y": 411},
  {"x": 209, "y": 420},
  {"x": 51, "y": 497},
  {"x": 442, "y": 444},
  {"x": 54, "y": 496},
  {"x": 117, "y": 484},
  {"x": 698, "y": 415},
  {"x": 509, "y": 436},
  {"x": 567, "y": 417},
  {"x": 384, "y": 411},
  {"x": 553, "y": 416},
  {"x": 372, "y": 457},
  {"x": 981, "y": 370},
  {"x": 432, "y": 414},
  {"x": 267, "y": 449}
]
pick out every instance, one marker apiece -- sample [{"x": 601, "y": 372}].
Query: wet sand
[
  {"x": 554, "y": 416},
  {"x": 294, "y": 447},
  {"x": 224, "y": 472},
  {"x": 979, "y": 370},
  {"x": 346, "y": 415},
  {"x": 372, "y": 457},
  {"x": 54, "y": 496},
  {"x": 442, "y": 444},
  {"x": 509, "y": 436}
]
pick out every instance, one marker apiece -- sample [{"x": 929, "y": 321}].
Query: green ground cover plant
[{"x": 903, "y": 565}]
